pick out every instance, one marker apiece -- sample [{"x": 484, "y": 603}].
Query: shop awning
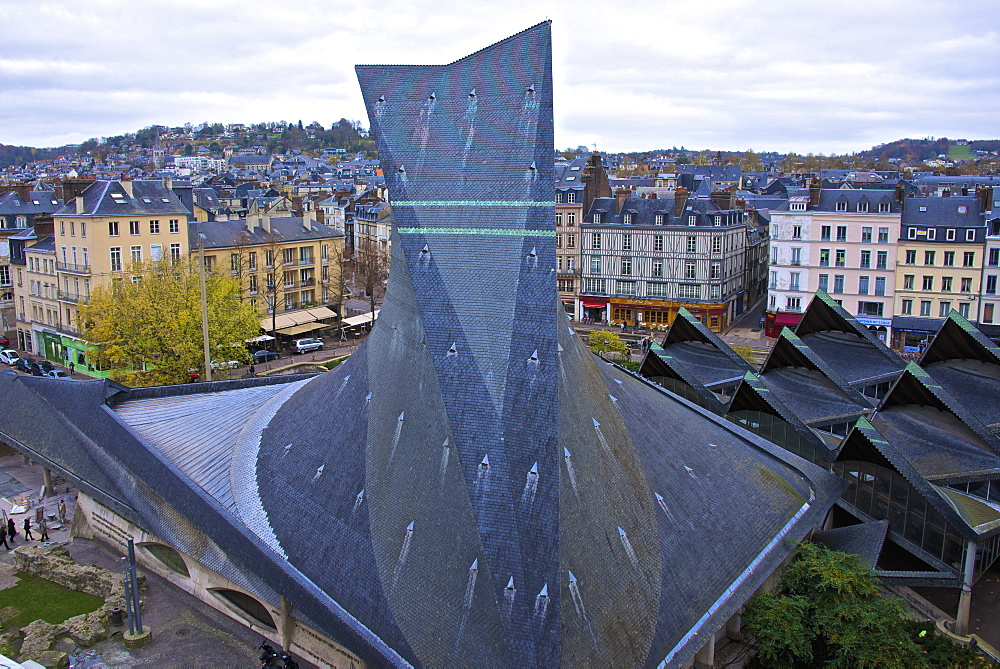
[
  {"x": 300, "y": 329},
  {"x": 300, "y": 317},
  {"x": 319, "y": 313},
  {"x": 359, "y": 320},
  {"x": 595, "y": 305}
]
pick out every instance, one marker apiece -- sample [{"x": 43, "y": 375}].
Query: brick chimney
[
  {"x": 680, "y": 201},
  {"x": 72, "y": 187},
  {"x": 815, "y": 189},
  {"x": 127, "y": 185},
  {"x": 621, "y": 195}
]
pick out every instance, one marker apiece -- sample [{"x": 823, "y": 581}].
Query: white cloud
[{"x": 730, "y": 74}]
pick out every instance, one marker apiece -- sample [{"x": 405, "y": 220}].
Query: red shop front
[{"x": 773, "y": 322}]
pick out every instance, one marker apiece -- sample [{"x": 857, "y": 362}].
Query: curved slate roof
[{"x": 472, "y": 486}]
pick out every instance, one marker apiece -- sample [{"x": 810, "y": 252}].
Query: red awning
[
  {"x": 783, "y": 318},
  {"x": 595, "y": 305}
]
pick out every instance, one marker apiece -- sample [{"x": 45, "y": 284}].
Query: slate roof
[
  {"x": 696, "y": 355},
  {"x": 830, "y": 331},
  {"x": 224, "y": 234},
  {"x": 11, "y": 203},
  {"x": 110, "y": 198},
  {"x": 487, "y": 491},
  {"x": 867, "y": 442},
  {"x": 943, "y": 212},
  {"x": 864, "y": 540},
  {"x": 829, "y": 197}
]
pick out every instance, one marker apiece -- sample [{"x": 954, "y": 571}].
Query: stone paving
[{"x": 186, "y": 631}]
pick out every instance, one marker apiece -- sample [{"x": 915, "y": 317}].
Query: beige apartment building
[
  {"x": 939, "y": 266},
  {"x": 99, "y": 232},
  {"x": 289, "y": 267}
]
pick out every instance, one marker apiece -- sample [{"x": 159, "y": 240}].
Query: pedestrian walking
[
  {"x": 3, "y": 536},
  {"x": 43, "y": 527},
  {"x": 62, "y": 511},
  {"x": 27, "y": 530},
  {"x": 11, "y": 530},
  {"x": 71, "y": 368},
  {"x": 252, "y": 371}
]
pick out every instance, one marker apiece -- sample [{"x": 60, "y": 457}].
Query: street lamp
[{"x": 271, "y": 291}]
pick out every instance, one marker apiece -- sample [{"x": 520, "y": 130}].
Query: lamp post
[{"x": 272, "y": 298}]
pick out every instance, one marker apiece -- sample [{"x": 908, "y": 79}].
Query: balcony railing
[
  {"x": 73, "y": 267},
  {"x": 73, "y": 297}
]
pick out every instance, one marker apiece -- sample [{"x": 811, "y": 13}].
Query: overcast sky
[{"x": 783, "y": 75}]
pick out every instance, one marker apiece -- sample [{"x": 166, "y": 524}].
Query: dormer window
[
  {"x": 883, "y": 207},
  {"x": 559, "y": 198},
  {"x": 571, "y": 197},
  {"x": 627, "y": 219},
  {"x": 970, "y": 235},
  {"x": 658, "y": 219},
  {"x": 718, "y": 220},
  {"x": 797, "y": 206},
  {"x": 931, "y": 233},
  {"x": 597, "y": 217},
  {"x": 862, "y": 207},
  {"x": 950, "y": 234},
  {"x": 842, "y": 205},
  {"x": 693, "y": 219}
]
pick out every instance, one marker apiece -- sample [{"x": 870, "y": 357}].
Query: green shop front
[{"x": 64, "y": 350}]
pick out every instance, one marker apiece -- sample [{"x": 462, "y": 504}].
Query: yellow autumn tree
[
  {"x": 609, "y": 345},
  {"x": 146, "y": 325}
]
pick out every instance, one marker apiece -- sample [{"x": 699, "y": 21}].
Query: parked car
[
  {"x": 24, "y": 364},
  {"x": 4, "y": 342},
  {"x": 34, "y": 368},
  {"x": 306, "y": 345},
  {"x": 231, "y": 364},
  {"x": 8, "y": 356},
  {"x": 45, "y": 366},
  {"x": 58, "y": 374},
  {"x": 264, "y": 356}
]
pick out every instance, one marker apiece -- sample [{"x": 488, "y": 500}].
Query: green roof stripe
[
  {"x": 471, "y": 203},
  {"x": 499, "y": 232}
]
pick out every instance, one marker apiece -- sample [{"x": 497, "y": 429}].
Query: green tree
[
  {"x": 146, "y": 326},
  {"x": 608, "y": 344},
  {"x": 830, "y": 612}
]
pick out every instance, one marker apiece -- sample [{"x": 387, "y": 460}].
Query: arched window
[
  {"x": 246, "y": 605},
  {"x": 168, "y": 557}
]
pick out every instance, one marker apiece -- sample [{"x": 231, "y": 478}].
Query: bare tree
[
  {"x": 274, "y": 268},
  {"x": 239, "y": 260},
  {"x": 338, "y": 290},
  {"x": 372, "y": 269}
]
